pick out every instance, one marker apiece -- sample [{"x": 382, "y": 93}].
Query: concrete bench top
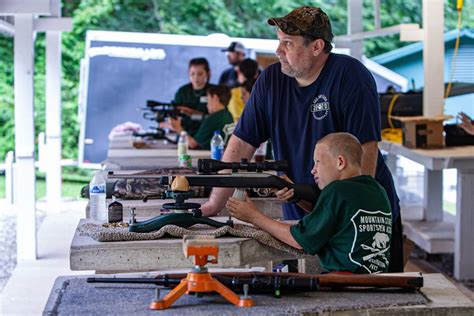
[{"x": 165, "y": 253}]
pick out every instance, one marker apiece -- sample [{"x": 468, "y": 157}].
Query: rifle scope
[
  {"x": 160, "y": 105},
  {"x": 210, "y": 166}
]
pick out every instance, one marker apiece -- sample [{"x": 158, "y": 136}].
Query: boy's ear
[{"x": 341, "y": 162}]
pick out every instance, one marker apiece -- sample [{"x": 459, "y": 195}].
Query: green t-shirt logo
[{"x": 371, "y": 243}]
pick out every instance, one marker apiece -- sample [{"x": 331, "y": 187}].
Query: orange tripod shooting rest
[{"x": 199, "y": 280}]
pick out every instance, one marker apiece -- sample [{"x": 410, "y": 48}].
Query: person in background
[
  {"x": 350, "y": 226},
  {"x": 235, "y": 54},
  {"x": 218, "y": 98},
  {"x": 191, "y": 99},
  {"x": 246, "y": 90},
  {"x": 466, "y": 123},
  {"x": 246, "y": 70}
]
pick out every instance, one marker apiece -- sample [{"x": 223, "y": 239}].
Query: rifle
[
  {"x": 253, "y": 178},
  {"x": 159, "y": 111},
  {"x": 160, "y": 134},
  {"x": 184, "y": 218},
  {"x": 278, "y": 282}
]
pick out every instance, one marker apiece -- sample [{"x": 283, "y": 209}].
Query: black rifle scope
[{"x": 210, "y": 166}]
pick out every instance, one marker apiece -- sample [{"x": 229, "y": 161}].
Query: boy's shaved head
[{"x": 344, "y": 144}]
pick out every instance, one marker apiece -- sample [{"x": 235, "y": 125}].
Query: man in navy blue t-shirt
[{"x": 308, "y": 94}]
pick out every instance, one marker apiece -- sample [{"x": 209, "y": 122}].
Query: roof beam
[
  {"x": 53, "y": 24},
  {"x": 13, "y": 7}
]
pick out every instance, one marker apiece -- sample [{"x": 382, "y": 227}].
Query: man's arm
[
  {"x": 369, "y": 158},
  {"x": 236, "y": 150}
]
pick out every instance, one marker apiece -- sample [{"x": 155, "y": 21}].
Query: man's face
[
  {"x": 234, "y": 58},
  {"x": 325, "y": 168},
  {"x": 296, "y": 59}
]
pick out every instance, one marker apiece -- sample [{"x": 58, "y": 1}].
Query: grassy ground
[
  {"x": 449, "y": 207},
  {"x": 69, "y": 189}
]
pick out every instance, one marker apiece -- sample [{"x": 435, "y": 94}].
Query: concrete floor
[
  {"x": 29, "y": 286},
  {"x": 27, "y": 289}
]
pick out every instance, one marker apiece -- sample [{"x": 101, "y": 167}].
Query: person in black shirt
[{"x": 235, "y": 54}]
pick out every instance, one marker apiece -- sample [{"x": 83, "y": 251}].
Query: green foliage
[{"x": 240, "y": 18}]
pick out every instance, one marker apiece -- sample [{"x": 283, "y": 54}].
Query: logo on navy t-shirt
[{"x": 320, "y": 107}]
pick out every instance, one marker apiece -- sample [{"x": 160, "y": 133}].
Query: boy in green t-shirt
[
  {"x": 350, "y": 226},
  {"x": 218, "y": 97}
]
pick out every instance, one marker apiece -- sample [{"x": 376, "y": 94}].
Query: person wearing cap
[
  {"x": 310, "y": 93},
  {"x": 235, "y": 54}
]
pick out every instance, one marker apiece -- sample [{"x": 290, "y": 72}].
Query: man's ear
[
  {"x": 318, "y": 47},
  {"x": 341, "y": 162}
]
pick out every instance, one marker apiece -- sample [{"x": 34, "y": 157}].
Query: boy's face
[
  {"x": 325, "y": 168},
  {"x": 212, "y": 102}
]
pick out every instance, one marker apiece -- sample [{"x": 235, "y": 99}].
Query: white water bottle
[
  {"x": 97, "y": 204},
  {"x": 217, "y": 146},
  {"x": 183, "y": 144}
]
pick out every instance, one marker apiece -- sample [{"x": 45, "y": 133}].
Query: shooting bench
[
  {"x": 121, "y": 155},
  {"x": 162, "y": 254},
  {"x": 72, "y": 295}
]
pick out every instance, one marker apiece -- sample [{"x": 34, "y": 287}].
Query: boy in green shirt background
[
  {"x": 218, "y": 97},
  {"x": 349, "y": 228}
]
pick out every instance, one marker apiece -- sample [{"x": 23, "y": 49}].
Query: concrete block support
[
  {"x": 433, "y": 195},
  {"x": 463, "y": 249}
]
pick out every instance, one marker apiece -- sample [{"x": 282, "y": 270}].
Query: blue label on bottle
[
  {"x": 216, "y": 152},
  {"x": 97, "y": 189}
]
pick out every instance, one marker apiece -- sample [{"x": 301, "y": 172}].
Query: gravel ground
[
  {"x": 7, "y": 244},
  {"x": 8, "y": 240}
]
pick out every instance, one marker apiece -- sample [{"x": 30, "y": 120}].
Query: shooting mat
[
  {"x": 107, "y": 234},
  {"x": 74, "y": 296}
]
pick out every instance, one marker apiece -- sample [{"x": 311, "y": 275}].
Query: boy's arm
[
  {"x": 178, "y": 128},
  {"x": 246, "y": 211}
]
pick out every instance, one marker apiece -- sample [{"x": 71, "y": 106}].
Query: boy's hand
[
  {"x": 176, "y": 125},
  {"x": 244, "y": 210},
  {"x": 285, "y": 194}
]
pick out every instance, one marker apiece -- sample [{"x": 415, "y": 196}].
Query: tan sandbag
[{"x": 180, "y": 183}]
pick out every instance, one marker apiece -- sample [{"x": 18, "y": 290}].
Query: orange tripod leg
[
  {"x": 172, "y": 296},
  {"x": 231, "y": 296}
]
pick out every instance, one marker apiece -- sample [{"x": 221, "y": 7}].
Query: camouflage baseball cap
[{"x": 305, "y": 20}]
